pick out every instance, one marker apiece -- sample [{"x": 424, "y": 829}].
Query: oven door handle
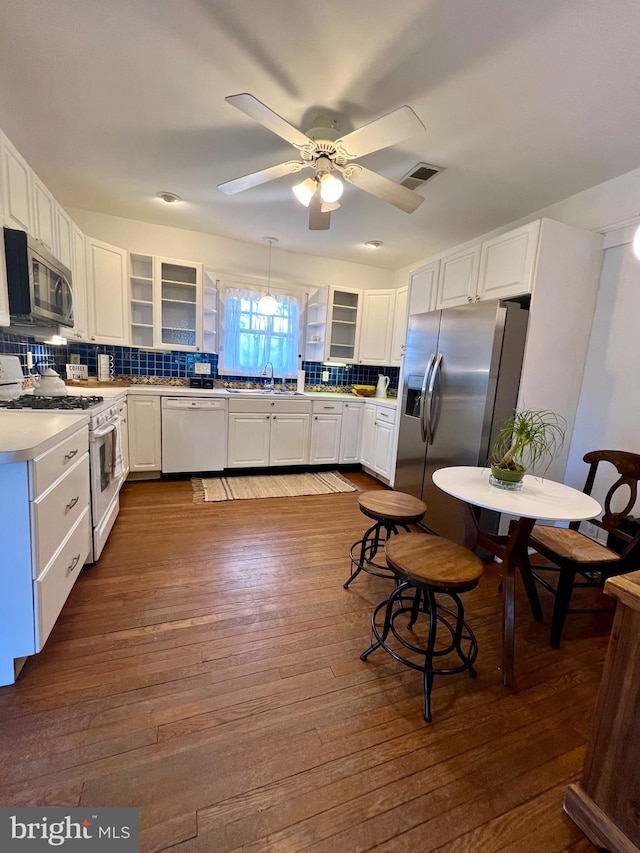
[{"x": 100, "y": 433}]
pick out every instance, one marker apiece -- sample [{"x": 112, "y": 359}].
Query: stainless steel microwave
[{"x": 40, "y": 287}]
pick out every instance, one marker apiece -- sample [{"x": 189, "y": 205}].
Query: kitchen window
[{"x": 251, "y": 339}]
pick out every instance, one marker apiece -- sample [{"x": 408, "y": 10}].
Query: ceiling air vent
[{"x": 419, "y": 175}]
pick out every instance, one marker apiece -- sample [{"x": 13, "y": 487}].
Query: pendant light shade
[
  {"x": 305, "y": 191},
  {"x": 268, "y": 304}
]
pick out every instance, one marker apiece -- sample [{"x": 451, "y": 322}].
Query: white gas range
[{"x": 108, "y": 451}]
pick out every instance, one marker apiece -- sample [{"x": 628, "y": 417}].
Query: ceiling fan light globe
[
  {"x": 305, "y": 191},
  {"x": 331, "y": 188},
  {"x": 267, "y": 304}
]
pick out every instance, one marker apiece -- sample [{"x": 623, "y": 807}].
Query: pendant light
[{"x": 268, "y": 304}]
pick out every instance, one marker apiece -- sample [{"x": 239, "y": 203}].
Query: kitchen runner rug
[{"x": 269, "y": 486}]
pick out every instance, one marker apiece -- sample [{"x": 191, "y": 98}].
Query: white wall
[
  {"x": 228, "y": 256},
  {"x": 608, "y": 415}
]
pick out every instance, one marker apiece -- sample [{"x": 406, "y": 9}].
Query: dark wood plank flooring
[{"x": 207, "y": 671}]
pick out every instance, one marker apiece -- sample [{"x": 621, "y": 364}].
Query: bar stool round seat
[
  {"x": 427, "y": 566},
  {"x": 390, "y": 512}
]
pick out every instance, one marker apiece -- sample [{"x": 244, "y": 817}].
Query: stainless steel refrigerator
[{"x": 461, "y": 375}]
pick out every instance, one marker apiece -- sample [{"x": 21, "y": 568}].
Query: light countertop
[{"x": 25, "y": 435}]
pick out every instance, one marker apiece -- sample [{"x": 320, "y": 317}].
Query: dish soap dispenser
[{"x": 381, "y": 387}]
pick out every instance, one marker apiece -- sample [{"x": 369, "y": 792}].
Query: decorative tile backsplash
[{"x": 134, "y": 362}]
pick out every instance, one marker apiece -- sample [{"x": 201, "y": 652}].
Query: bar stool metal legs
[
  {"x": 462, "y": 641},
  {"x": 367, "y": 548}
]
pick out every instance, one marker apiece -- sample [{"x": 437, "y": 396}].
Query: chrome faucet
[{"x": 264, "y": 373}]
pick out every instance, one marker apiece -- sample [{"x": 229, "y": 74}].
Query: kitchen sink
[{"x": 266, "y": 392}]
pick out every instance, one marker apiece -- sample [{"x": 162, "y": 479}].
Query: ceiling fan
[{"x": 324, "y": 150}]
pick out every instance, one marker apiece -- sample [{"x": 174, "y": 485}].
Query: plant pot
[{"x": 506, "y": 478}]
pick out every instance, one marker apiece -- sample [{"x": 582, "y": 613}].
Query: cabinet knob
[
  {"x": 469, "y": 299},
  {"x": 477, "y": 299},
  {"x": 92, "y": 338}
]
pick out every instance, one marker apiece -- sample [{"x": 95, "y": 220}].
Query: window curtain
[{"x": 251, "y": 339}]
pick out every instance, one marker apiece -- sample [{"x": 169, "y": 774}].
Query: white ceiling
[{"x": 525, "y": 102}]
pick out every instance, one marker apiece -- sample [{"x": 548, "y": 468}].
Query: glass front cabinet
[{"x": 166, "y": 303}]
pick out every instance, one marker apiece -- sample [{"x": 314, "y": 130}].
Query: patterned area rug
[{"x": 269, "y": 486}]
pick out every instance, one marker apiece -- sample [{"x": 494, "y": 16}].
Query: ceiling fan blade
[
  {"x": 381, "y": 187},
  {"x": 380, "y": 133},
  {"x": 255, "y": 109},
  {"x": 319, "y": 220},
  {"x": 261, "y": 177}
]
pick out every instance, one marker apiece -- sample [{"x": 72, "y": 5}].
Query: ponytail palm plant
[{"x": 526, "y": 439}]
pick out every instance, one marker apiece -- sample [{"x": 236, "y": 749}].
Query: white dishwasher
[{"x": 194, "y": 434}]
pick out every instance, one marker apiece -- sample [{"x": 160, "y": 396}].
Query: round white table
[{"x": 538, "y": 499}]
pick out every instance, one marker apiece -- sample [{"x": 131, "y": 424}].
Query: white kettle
[
  {"x": 49, "y": 384},
  {"x": 381, "y": 387}
]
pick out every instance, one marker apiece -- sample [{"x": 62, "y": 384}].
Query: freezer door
[
  {"x": 421, "y": 349},
  {"x": 462, "y": 400}
]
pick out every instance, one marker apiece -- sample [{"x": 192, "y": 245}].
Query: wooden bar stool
[
  {"x": 429, "y": 565},
  {"x": 390, "y": 511}
]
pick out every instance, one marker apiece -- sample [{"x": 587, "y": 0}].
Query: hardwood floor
[{"x": 207, "y": 671}]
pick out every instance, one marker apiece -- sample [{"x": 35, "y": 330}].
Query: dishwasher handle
[{"x": 184, "y": 404}]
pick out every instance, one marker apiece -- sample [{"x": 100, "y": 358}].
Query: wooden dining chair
[{"x": 573, "y": 553}]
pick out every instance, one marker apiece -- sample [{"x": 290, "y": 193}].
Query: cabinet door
[
  {"x": 458, "y": 277},
  {"x": 376, "y": 327},
  {"x": 79, "y": 332},
  {"x": 248, "y": 440},
  {"x": 44, "y": 207},
  {"x": 145, "y": 449},
  {"x": 399, "y": 334},
  {"x": 383, "y": 436},
  {"x": 325, "y": 439},
  {"x": 289, "y": 440},
  {"x": 17, "y": 181},
  {"x": 178, "y": 308},
  {"x": 367, "y": 442},
  {"x": 423, "y": 288},
  {"x": 350, "y": 433},
  {"x": 107, "y": 291},
  {"x": 63, "y": 244},
  {"x": 507, "y": 262},
  {"x": 344, "y": 325}
]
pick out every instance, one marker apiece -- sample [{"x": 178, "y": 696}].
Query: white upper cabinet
[
  {"x": 17, "y": 184},
  {"x": 376, "y": 327},
  {"x": 458, "y": 277},
  {"x": 507, "y": 263},
  {"x": 423, "y": 288},
  {"x": 344, "y": 313},
  {"x": 210, "y": 288},
  {"x": 166, "y": 303},
  {"x": 399, "y": 332},
  {"x": 44, "y": 206},
  {"x": 4, "y": 294},
  {"x": 80, "y": 331},
  {"x": 316, "y": 328},
  {"x": 63, "y": 237},
  {"x": 107, "y": 291}
]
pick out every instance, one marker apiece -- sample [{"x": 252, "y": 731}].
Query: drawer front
[
  {"x": 327, "y": 407},
  {"x": 385, "y": 415},
  {"x": 52, "y": 588},
  {"x": 57, "y": 461},
  {"x": 271, "y": 407},
  {"x": 55, "y": 513}
]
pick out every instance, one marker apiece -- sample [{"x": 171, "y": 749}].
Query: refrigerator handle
[
  {"x": 429, "y": 407},
  {"x": 423, "y": 395}
]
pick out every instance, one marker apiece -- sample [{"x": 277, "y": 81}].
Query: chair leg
[
  {"x": 428, "y": 657},
  {"x": 528, "y": 580},
  {"x": 566, "y": 578}
]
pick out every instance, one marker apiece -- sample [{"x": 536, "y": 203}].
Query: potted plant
[{"x": 526, "y": 439}]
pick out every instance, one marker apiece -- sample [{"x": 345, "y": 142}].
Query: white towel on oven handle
[{"x": 118, "y": 456}]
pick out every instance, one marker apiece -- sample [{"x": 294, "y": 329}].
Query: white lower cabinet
[
  {"x": 268, "y": 432},
  {"x": 350, "y": 433},
  {"x": 45, "y": 540},
  {"x": 144, "y": 427},
  {"x": 378, "y": 431},
  {"x": 325, "y": 439}
]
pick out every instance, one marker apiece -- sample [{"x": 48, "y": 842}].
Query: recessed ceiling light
[
  {"x": 168, "y": 197},
  {"x": 373, "y": 244}
]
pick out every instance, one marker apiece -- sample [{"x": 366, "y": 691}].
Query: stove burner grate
[{"x": 28, "y": 401}]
